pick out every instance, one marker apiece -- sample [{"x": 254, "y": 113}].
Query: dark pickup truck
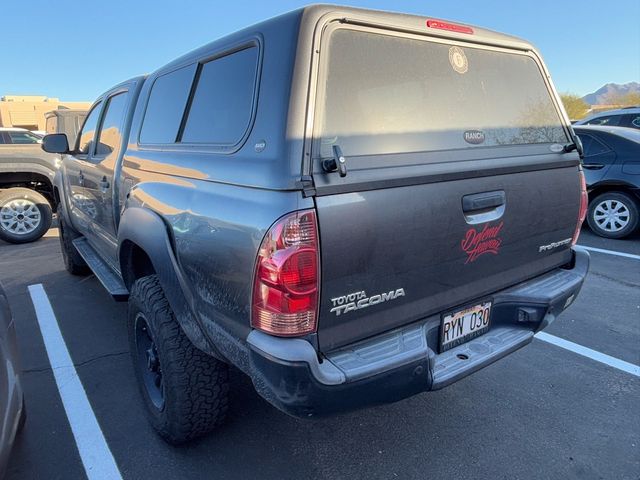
[{"x": 351, "y": 207}]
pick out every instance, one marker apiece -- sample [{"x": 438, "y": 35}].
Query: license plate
[{"x": 463, "y": 325}]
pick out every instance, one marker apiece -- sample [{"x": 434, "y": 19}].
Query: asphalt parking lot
[{"x": 543, "y": 412}]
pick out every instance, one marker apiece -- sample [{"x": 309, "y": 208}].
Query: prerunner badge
[{"x": 458, "y": 60}]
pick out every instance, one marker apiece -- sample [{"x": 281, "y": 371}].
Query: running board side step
[{"x": 109, "y": 279}]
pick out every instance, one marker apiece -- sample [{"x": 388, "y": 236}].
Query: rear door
[
  {"x": 98, "y": 170},
  {"x": 598, "y": 157},
  {"x": 454, "y": 177}
]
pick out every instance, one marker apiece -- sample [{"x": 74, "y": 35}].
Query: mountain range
[{"x": 603, "y": 95}]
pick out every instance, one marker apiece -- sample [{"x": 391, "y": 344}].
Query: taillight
[
  {"x": 584, "y": 201},
  {"x": 286, "y": 282}
]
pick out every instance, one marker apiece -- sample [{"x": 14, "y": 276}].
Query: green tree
[{"x": 574, "y": 105}]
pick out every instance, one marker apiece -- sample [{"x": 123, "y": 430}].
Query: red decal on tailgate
[{"x": 478, "y": 243}]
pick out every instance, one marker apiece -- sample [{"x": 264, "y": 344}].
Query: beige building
[{"x": 27, "y": 111}]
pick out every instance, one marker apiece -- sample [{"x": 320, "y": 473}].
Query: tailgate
[
  {"x": 392, "y": 256},
  {"x": 456, "y": 185}
]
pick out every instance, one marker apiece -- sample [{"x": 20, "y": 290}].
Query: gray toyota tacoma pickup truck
[
  {"x": 26, "y": 186},
  {"x": 351, "y": 207}
]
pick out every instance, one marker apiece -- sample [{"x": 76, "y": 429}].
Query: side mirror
[{"x": 55, "y": 143}]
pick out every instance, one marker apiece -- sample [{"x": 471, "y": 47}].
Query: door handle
[
  {"x": 483, "y": 201},
  {"x": 80, "y": 178},
  {"x": 104, "y": 183},
  {"x": 483, "y": 207},
  {"x": 592, "y": 166}
]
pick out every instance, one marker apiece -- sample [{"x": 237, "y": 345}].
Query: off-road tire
[
  {"x": 194, "y": 385},
  {"x": 73, "y": 261},
  {"x": 631, "y": 205},
  {"x": 41, "y": 203}
]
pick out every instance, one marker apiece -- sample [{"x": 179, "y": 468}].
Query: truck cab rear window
[
  {"x": 220, "y": 109},
  {"x": 222, "y": 103},
  {"x": 167, "y": 102},
  {"x": 389, "y": 94}
]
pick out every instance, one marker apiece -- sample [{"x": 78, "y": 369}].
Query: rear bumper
[{"x": 404, "y": 362}]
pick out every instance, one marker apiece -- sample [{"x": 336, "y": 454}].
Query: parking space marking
[
  {"x": 96, "y": 457},
  {"x": 611, "y": 252},
  {"x": 592, "y": 354}
]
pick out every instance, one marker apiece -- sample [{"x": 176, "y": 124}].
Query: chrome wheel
[
  {"x": 611, "y": 215},
  {"x": 20, "y": 216}
]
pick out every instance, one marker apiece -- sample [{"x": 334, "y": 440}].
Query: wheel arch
[
  {"x": 134, "y": 263},
  {"x": 23, "y": 177},
  {"x": 606, "y": 187},
  {"x": 26, "y": 179},
  {"x": 145, "y": 248},
  {"x": 56, "y": 195},
  {"x": 60, "y": 196}
]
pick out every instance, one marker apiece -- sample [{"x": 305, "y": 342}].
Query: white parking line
[
  {"x": 611, "y": 252},
  {"x": 592, "y": 354},
  {"x": 96, "y": 457}
]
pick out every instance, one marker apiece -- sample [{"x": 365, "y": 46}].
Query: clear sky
[{"x": 76, "y": 49}]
